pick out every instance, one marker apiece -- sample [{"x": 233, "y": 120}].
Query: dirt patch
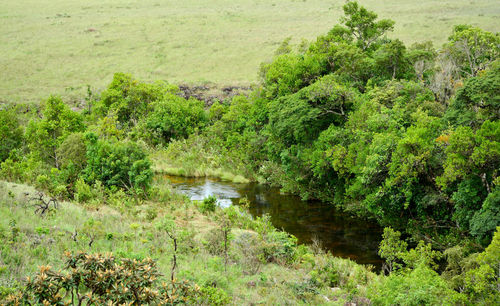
[{"x": 210, "y": 94}]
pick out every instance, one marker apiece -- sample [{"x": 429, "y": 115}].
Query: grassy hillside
[
  {"x": 30, "y": 241},
  {"x": 261, "y": 265},
  {"x": 61, "y": 46}
]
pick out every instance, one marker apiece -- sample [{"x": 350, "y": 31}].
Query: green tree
[
  {"x": 482, "y": 283},
  {"x": 473, "y": 49},
  {"x": 469, "y": 153},
  {"x": 174, "y": 117},
  {"x": 46, "y": 134},
  {"x": 130, "y": 100},
  {"x": 72, "y": 151},
  {"x": 391, "y": 60},
  {"x": 421, "y": 286},
  {"x": 300, "y": 117},
  {"x": 478, "y": 100},
  {"x": 118, "y": 164},
  {"x": 290, "y": 72},
  {"x": 423, "y": 58},
  {"x": 11, "y": 133},
  {"x": 363, "y": 25},
  {"x": 485, "y": 220},
  {"x": 409, "y": 189},
  {"x": 392, "y": 249}
]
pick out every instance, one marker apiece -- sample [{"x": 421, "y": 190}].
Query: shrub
[
  {"x": 213, "y": 296},
  {"x": 332, "y": 271},
  {"x": 118, "y": 164},
  {"x": 421, "y": 286},
  {"x": 214, "y": 242},
  {"x": 249, "y": 250},
  {"x": 46, "y": 135},
  {"x": 280, "y": 247},
  {"x": 99, "y": 279},
  {"x": 19, "y": 168},
  {"x": 129, "y": 99},
  {"x": 485, "y": 220},
  {"x": 11, "y": 133},
  {"x": 481, "y": 282},
  {"x": 174, "y": 117},
  {"x": 72, "y": 151},
  {"x": 208, "y": 204},
  {"x": 85, "y": 193}
]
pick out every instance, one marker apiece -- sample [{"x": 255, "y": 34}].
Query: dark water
[{"x": 339, "y": 233}]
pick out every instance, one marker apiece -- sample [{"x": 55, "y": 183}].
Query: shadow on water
[{"x": 341, "y": 234}]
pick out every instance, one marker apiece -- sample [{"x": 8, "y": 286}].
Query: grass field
[{"x": 61, "y": 46}]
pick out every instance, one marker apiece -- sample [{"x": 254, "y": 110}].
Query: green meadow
[{"x": 60, "y": 47}]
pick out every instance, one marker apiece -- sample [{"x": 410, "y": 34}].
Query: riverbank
[
  {"x": 254, "y": 263},
  {"x": 312, "y": 222},
  {"x": 161, "y": 164},
  {"x": 287, "y": 274}
]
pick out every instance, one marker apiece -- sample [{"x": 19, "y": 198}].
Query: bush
[
  {"x": 208, "y": 204},
  {"x": 249, "y": 250},
  {"x": 11, "y": 133},
  {"x": 118, "y": 164},
  {"x": 85, "y": 193},
  {"x": 213, "y": 296},
  {"x": 421, "y": 286},
  {"x": 47, "y": 134},
  {"x": 485, "y": 220},
  {"x": 332, "y": 271},
  {"x": 18, "y": 168},
  {"x": 130, "y": 100},
  {"x": 481, "y": 282},
  {"x": 99, "y": 279},
  {"x": 72, "y": 151},
  {"x": 174, "y": 117},
  {"x": 214, "y": 241},
  {"x": 280, "y": 247}
]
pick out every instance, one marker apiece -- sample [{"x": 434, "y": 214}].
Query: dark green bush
[
  {"x": 174, "y": 117},
  {"x": 11, "y": 133},
  {"x": 118, "y": 164}
]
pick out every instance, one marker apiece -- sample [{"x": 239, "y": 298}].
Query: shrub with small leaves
[
  {"x": 208, "y": 205},
  {"x": 280, "y": 247}
]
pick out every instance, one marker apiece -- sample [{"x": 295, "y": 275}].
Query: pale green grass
[
  {"x": 202, "y": 172},
  {"x": 192, "y": 165},
  {"x": 43, "y": 240},
  {"x": 61, "y": 46}
]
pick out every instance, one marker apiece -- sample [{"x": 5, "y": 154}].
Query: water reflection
[{"x": 339, "y": 233}]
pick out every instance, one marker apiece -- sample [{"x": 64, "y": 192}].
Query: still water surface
[{"x": 342, "y": 235}]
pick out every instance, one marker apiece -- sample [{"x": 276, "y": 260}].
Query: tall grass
[{"x": 195, "y": 158}]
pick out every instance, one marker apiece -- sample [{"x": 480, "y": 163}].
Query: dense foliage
[{"x": 406, "y": 135}]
